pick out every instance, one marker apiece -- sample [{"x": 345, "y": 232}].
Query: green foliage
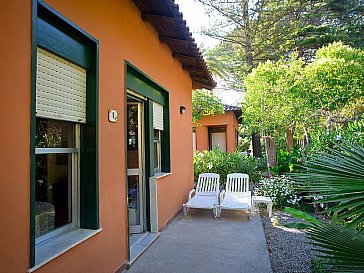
[
  {"x": 321, "y": 139},
  {"x": 341, "y": 245},
  {"x": 205, "y": 104},
  {"x": 229, "y": 68},
  {"x": 244, "y": 140},
  {"x": 319, "y": 266},
  {"x": 271, "y": 104},
  {"x": 287, "y": 162},
  {"x": 257, "y": 31},
  {"x": 334, "y": 81},
  {"x": 326, "y": 95},
  {"x": 338, "y": 177},
  {"x": 223, "y": 163},
  {"x": 280, "y": 189},
  {"x": 302, "y": 215}
]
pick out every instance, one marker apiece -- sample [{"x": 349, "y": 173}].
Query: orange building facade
[
  {"x": 91, "y": 130},
  {"x": 218, "y": 131}
]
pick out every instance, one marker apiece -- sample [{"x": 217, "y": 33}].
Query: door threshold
[{"x": 140, "y": 245}]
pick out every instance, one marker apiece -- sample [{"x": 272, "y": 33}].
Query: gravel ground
[{"x": 288, "y": 248}]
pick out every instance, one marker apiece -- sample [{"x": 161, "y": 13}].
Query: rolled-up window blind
[
  {"x": 61, "y": 88},
  {"x": 157, "y": 116}
]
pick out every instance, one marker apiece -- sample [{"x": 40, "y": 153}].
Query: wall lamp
[{"x": 182, "y": 109}]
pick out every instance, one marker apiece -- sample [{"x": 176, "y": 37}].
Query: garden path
[{"x": 201, "y": 244}]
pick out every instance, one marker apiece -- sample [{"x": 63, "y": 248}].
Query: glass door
[{"x": 135, "y": 168}]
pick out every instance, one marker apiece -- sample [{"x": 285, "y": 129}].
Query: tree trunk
[
  {"x": 289, "y": 139},
  {"x": 257, "y": 147},
  {"x": 306, "y": 139},
  {"x": 271, "y": 152},
  {"x": 247, "y": 31}
]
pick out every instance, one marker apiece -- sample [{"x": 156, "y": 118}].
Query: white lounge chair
[
  {"x": 236, "y": 196},
  {"x": 206, "y": 194}
]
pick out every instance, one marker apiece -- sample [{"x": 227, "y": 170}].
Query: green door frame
[{"x": 140, "y": 83}]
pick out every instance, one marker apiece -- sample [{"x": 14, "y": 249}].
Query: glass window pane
[
  {"x": 53, "y": 192},
  {"x": 156, "y": 156},
  {"x": 133, "y": 123},
  {"x": 133, "y": 200},
  {"x": 157, "y": 150},
  {"x": 54, "y": 134}
]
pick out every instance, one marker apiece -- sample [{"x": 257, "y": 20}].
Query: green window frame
[{"x": 54, "y": 33}]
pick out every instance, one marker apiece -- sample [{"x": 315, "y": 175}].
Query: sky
[{"x": 194, "y": 14}]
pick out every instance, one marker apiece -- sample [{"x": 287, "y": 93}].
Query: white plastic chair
[
  {"x": 206, "y": 194},
  {"x": 236, "y": 196}
]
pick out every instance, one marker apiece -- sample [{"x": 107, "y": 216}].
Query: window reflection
[
  {"x": 133, "y": 160},
  {"x": 52, "y": 192},
  {"x": 54, "y": 134}
]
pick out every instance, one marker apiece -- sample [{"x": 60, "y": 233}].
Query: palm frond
[
  {"x": 337, "y": 176},
  {"x": 341, "y": 246}
]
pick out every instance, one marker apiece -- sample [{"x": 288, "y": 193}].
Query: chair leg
[
  {"x": 218, "y": 212},
  {"x": 214, "y": 210},
  {"x": 269, "y": 207},
  {"x": 185, "y": 210},
  {"x": 250, "y": 214}
]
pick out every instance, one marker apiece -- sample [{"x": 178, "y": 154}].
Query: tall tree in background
[
  {"x": 254, "y": 31},
  {"x": 250, "y": 32},
  {"x": 326, "y": 21}
]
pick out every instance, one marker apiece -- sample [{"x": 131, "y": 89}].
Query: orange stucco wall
[
  {"x": 228, "y": 119},
  {"x": 14, "y": 134},
  {"x": 122, "y": 36}
]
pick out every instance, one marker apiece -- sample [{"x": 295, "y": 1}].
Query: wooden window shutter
[
  {"x": 61, "y": 88},
  {"x": 157, "y": 116}
]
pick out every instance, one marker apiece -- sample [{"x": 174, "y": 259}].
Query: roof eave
[{"x": 167, "y": 20}]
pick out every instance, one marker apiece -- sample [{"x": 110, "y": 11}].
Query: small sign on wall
[{"x": 113, "y": 115}]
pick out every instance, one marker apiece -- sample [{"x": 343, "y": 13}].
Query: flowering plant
[{"x": 280, "y": 189}]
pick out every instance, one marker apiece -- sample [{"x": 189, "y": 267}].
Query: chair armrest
[{"x": 190, "y": 194}]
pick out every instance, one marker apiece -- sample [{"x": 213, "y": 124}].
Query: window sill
[
  {"x": 161, "y": 174},
  {"x": 51, "y": 249}
]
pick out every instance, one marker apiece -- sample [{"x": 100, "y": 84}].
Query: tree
[
  {"x": 333, "y": 87},
  {"x": 245, "y": 41},
  {"x": 271, "y": 105},
  {"x": 205, "y": 104},
  {"x": 250, "y": 32},
  {"x": 327, "y": 21},
  {"x": 286, "y": 95},
  {"x": 256, "y": 31}
]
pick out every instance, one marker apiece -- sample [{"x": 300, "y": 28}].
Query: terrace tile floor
[{"x": 201, "y": 244}]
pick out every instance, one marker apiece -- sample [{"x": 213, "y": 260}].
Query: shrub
[
  {"x": 287, "y": 162},
  {"x": 224, "y": 163},
  {"x": 280, "y": 189}
]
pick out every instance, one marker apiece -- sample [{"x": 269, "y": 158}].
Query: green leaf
[
  {"x": 297, "y": 225},
  {"x": 302, "y": 215}
]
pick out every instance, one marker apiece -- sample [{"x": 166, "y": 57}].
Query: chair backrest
[
  {"x": 237, "y": 183},
  {"x": 208, "y": 183}
]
